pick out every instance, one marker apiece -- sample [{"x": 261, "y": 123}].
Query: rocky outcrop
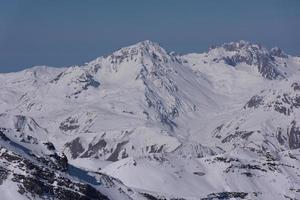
[
  {"x": 294, "y": 136},
  {"x": 255, "y": 55},
  {"x": 75, "y": 80},
  {"x": 75, "y": 147},
  {"x": 282, "y": 101},
  {"x": 35, "y": 180}
]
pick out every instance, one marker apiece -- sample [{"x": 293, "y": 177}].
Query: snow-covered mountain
[{"x": 144, "y": 123}]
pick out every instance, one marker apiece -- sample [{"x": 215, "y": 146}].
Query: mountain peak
[
  {"x": 277, "y": 52},
  {"x": 138, "y": 52},
  {"x": 146, "y": 44},
  {"x": 234, "y": 53},
  {"x": 142, "y": 112},
  {"x": 144, "y": 47},
  {"x": 243, "y": 45}
]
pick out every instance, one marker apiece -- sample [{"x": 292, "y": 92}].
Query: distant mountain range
[{"x": 144, "y": 123}]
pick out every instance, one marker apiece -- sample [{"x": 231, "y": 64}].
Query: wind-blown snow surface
[{"x": 148, "y": 124}]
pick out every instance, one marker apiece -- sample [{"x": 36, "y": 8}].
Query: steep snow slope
[{"x": 221, "y": 124}]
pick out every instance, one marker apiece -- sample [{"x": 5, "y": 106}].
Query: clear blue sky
[{"x": 68, "y": 32}]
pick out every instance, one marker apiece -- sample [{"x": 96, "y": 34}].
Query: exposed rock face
[
  {"x": 50, "y": 146},
  {"x": 294, "y": 136},
  {"x": 226, "y": 195},
  {"x": 280, "y": 106},
  {"x": 43, "y": 182},
  {"x": 284, "y": 102},
  {"x": 69, "y": 124},
  {"x": 61, "y": 161},
  {"x": 3, "y": 136},
  {"x": 240, "y": 134},
  {"x": 296, "y": 86},
  {"x": 165, "y": 113},
  {"x": 75, "y": 147},
  {"x": 166, "y": 125},
  {"x": 94, "y": 148},
  {"x": 25, "y": 126},
  {"x": 115, "y": 154},
  {"x": 48, "y": 155},
  {"x": 161, "y": 92},
  {"x": 3, "y": 174},
  {"x": 256, "y": 55},
  {"x": 278, "y": 52},
  {"x": 77, "y": 80},
  {"x": 254, "y": 102}
]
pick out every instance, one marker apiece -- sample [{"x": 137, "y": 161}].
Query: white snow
[{"x": 149, "y": 118}]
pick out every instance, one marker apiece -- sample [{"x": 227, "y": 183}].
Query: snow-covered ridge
[
  {"x": 150, "y": 124},
  {"x": 270, "y": 64}
]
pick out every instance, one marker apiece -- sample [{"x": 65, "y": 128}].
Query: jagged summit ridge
[
  {"x": 135, "y": 52},
  {"x": 144, "y": 48},
  {"x": 143, "y": 123},
  {"x": 232, "y": 54},
  {"x": 235, "y": 53}
]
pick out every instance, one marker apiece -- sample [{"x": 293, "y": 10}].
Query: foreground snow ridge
[{"x": 143, "y": 123}]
